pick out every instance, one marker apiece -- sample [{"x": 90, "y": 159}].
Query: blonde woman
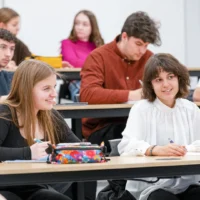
[{"x": 28, "y": 114}]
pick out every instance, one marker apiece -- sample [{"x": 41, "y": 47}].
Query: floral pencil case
[{"x": 75, "y": 154}]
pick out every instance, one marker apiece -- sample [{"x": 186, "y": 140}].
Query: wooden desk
[
  {"x": 116, "y": 168},
  {"x": 74, "y": 73},
  {"x": 194, "y": 71},
  {"x": 93, "y": 111},
  {"x": 70, "y": 73}
]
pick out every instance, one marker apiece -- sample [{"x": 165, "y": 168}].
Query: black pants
[
  {"x": 112, "y": 131},
  {"x": 42, "y": 194},
  {"x": 192, "y": 193}
]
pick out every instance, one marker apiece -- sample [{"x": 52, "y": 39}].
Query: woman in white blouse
[{"x": 162, "y": 115}]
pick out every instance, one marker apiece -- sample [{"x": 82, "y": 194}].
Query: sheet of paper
[{"x": 24, "y": 161}]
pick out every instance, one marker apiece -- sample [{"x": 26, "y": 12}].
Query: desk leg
[{"x": 77, "y": 128}]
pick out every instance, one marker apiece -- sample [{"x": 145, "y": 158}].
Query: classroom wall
[
  {"x": 44, "y": 23},
  {"x": 192, "y": 30}
]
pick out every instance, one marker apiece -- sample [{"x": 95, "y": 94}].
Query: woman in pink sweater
[{"x": 84, "y": 37}]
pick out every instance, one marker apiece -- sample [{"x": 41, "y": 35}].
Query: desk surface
[
  {"x": 97, "y": 106},
  {"x": 68, "y": 69},
  {"x": 114, "y": 163},
  {"x": 93, "y": 106},
  {"x": 117, "y": 168},
  {"x": 194, "y": 69}
]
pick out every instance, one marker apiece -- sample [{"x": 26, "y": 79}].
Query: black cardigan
[{"x": 13, "y": 146}]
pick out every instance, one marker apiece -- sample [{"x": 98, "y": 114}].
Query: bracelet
[{"x": 151, "y": 150}]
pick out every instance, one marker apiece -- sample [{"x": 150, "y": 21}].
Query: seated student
[
  {"x": 84, "y": 37},
  {"x": 29, "y": 114},
  {"x": 196, "y": 94},
  {"x": 10, "y": 20},
  {"x": 7, "y": 47},
  {"x": 162, "y": 115}
]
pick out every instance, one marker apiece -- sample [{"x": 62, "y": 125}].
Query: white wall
[
  {"x": 44, "y": 23},
  {"x": 192, "y": 30}
]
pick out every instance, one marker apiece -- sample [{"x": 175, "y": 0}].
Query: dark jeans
[
  {"x": 42, "y": 194},
  {"x": 192, "y": 193},
  {"x": 112, "y": 131}
]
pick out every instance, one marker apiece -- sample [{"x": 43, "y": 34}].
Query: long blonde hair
[{"x": 20, "y": 100}]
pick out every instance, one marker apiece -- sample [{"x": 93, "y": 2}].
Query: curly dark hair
[
  {"x": 95, "y": 36},
  {"x": 140, "y": 25},
  {"x": 164, "y": 62},
  {"x": 7, "y": 36}
]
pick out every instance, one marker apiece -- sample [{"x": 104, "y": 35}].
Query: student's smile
[{"x": 166, "y": 87}]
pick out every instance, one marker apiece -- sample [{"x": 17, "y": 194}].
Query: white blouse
[{"x": 153, "y": 124}]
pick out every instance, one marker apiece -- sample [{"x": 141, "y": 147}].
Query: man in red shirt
[{"x": 111, "y": 74}]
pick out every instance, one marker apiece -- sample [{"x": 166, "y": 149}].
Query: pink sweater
[{"x": 76, "y": 52}]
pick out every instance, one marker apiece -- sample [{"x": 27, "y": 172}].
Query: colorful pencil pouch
[{"x": 78, "y": 154}]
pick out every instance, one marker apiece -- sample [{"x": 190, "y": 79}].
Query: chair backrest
[{"x": 113, "y": 145}]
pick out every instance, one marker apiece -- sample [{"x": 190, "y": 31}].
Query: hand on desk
[
  {"x": 38, "y": 150},
  {"x": 66, "y": 64},
  {"x": 135, "y": 95},
  {"x": 168, "y": 150}
]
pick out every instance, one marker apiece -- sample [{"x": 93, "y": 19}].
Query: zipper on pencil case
[{"x": 79, "y": 148}]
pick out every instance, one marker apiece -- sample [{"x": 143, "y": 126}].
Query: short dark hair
[
  {"x": 7, "y": 36},
  {"x": 167, "y": 63},
  {"x": 140, "y": 25}
]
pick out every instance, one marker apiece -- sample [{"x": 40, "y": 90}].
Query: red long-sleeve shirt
[{"x": 106, "y": 78}]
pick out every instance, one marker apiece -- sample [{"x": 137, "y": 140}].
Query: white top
[{"x": 152, "y": 124}]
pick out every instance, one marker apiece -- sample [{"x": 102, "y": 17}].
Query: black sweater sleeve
[
  {"x": 9, "y": 149},
  {"x": 65, "y": 133}
]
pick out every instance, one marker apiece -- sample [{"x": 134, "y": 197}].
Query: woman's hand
[
  {"x": 168, "y": 150},
  {"x": 66, "y": 64},
  {"x": 38, "y": 150}
]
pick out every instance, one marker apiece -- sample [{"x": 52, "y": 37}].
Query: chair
[
  {"x": 113, "y": 145},
  {"x": 64, "y": 92}
]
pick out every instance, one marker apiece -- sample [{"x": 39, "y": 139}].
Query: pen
[
  {"x": 171, "y": 141},
  {"x": 37, "y": 140},
  {"x": 141, "y": 83}
]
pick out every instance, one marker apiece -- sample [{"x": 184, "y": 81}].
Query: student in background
[
  {"x": 112, "y": 72},
  {"x": 84, "y": 38},
  {"x": 7, "y": 48},
  {"x": 28, "y": 115},
  {"x": 162, "y": 115},
  {"x": 10, "y": 20}
]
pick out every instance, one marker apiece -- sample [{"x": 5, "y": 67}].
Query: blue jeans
[{"x": 74, "y": 88}]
